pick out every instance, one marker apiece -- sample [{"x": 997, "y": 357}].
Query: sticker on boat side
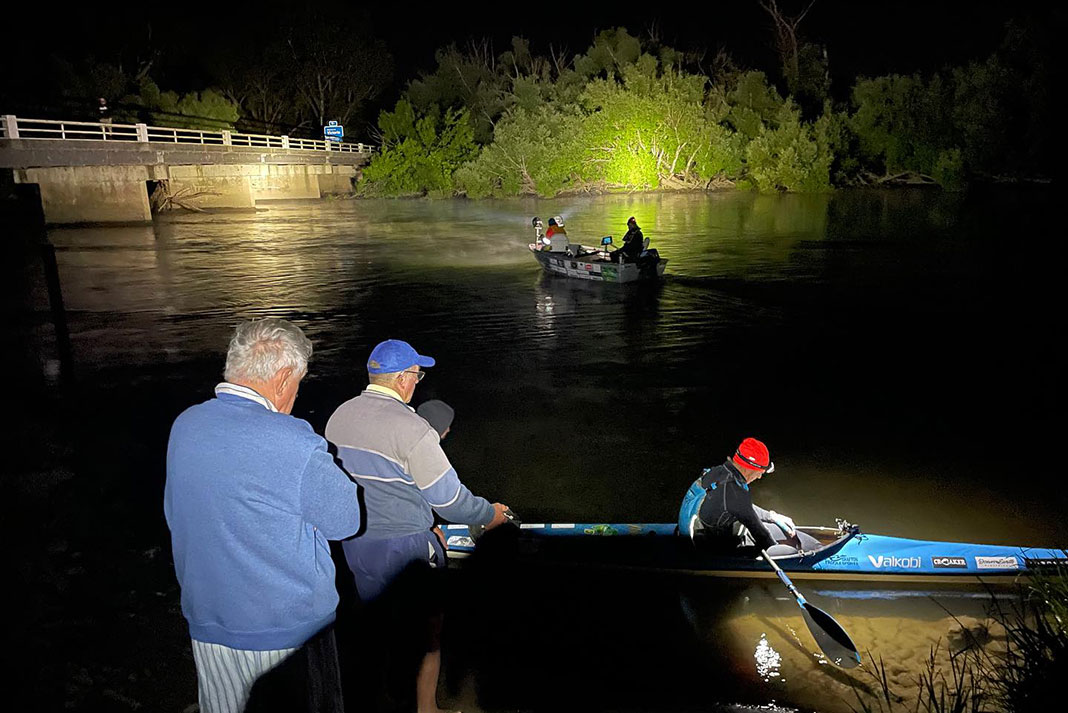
[
  {"x": 949, "y": 562},
  {"x": 997, "y": 563},
  {"x": 892, "y": 561},
  {"x": 1046, "y": 562}
]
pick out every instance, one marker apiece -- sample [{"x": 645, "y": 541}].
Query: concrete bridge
[{"x": 105, "y": 173}]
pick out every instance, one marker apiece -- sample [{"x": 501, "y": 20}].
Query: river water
[{"x": 894, "y": 349}]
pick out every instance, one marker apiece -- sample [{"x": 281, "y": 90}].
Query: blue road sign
[{"x": 333, "y": 131}]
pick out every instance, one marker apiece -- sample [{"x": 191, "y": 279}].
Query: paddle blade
[{"x": 830, "y": 637}]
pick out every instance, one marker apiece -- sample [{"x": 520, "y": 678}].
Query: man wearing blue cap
[{"x": 396, "y": 456}]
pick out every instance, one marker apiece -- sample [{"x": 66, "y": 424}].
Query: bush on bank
[{"x": 419, "y": 154}]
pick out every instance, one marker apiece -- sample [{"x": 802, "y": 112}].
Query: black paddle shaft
[{"x": 828, "y": 633}]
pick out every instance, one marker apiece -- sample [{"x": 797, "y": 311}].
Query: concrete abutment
[{"x": 92, "y": 194}]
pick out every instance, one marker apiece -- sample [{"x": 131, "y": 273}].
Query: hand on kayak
[
  {"x": 441, "y": 536},
  {"x": 500, "y": 515},
  {"x": 784, "y": 523}
]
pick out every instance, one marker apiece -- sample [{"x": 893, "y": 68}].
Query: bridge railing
[{"x": 17, "y": 127}]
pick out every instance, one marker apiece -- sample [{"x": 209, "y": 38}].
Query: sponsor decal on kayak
[
  {"x": 892, "y": 561},
  {"x": 1046, "y": 562},
  {"x": 997, "y": 563},
  {"x": 460, "y": 541},
  {"x": 950, "y": 562},
  {"x": 845, "y": 560}
]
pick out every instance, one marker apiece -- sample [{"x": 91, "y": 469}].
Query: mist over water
[{"x": 894, "y": 350}]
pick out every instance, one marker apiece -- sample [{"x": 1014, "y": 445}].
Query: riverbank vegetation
[
  {"x": 1014, "y": 663},
  {"x": 633, "y": 114}
]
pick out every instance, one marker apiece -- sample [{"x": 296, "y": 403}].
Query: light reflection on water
[
  {"x": 855, "y": 333},
  {"x": 767, "y": 660}
]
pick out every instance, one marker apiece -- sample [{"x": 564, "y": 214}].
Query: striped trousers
[{"x": 225, "y": 676}]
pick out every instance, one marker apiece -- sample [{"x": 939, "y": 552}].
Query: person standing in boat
[
  {"x": 633, "y": 243},
  {"x": 395, "y": 454},
  {"x": 719, "y": 509}
]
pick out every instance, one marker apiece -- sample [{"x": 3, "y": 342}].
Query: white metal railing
[{"x": 15, "y": 127}]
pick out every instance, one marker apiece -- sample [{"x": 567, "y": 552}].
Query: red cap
[{"x": 752, "y": 454}]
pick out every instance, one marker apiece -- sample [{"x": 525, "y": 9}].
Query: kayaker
[
  {"x": 633, "y": 243},
  {"x": 718, "y": 507},
  {"x": 396, "y": 456}
]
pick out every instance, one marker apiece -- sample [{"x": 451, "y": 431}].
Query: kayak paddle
[{"x": 828, "y": 633}]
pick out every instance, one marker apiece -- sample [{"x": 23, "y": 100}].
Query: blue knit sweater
[{"x": 252, "y": 496}]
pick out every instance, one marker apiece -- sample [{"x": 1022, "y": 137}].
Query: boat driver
[
  {"x": 718, "y": 509},
  {"x": 633, "y": 244}
]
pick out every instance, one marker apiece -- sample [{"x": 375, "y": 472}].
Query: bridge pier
[
  {"x": 207, "y": 187},
  {"x": 92, "y": 194}
]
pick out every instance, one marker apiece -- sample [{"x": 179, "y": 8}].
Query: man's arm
[
  {"x": 328, "y": 496},
  {"x": 764, "y": 515},
  {"x": 741, "y": 506},
  {"x": 440, "y": 486}
]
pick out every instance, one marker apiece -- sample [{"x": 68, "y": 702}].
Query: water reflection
[
  {"x": 822, "y": 323},
  {"x": 767, "y": 660}
]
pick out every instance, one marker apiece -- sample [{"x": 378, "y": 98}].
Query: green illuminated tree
[
  {"x": 785, "y": 156},
  {"x": 419, "y": 154},
  {"x": 534, "y": 152}
]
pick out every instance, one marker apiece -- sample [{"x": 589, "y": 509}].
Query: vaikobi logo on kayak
[{"x": 891, "y": 561}]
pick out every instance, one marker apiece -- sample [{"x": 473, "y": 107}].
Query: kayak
[
  {"x": 844, "y": 553},
  {"x": 586, "y": 263}
]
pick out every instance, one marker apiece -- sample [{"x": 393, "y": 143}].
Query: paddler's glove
[{"x": 784, "y": 523}]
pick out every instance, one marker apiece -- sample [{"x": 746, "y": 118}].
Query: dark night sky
[{"x": 862, "y": 37}]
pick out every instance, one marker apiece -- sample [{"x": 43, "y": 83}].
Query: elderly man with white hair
[{"x": 251, "y": 498}]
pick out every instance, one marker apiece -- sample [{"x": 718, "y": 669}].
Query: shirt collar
[
  {"x": 246, "y": 393},
  {"x": 738, "y": 477},
  {"x": 386, "y": 391}
]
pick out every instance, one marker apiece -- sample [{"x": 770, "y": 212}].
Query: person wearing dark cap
[
  {"x": 633, "y": 243},
  {"x": 556, "y": 236},
  {"x": 719, "y": 506},
  {"x": 396, "y": 456},
  {"x": 438, "y": 414}
]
